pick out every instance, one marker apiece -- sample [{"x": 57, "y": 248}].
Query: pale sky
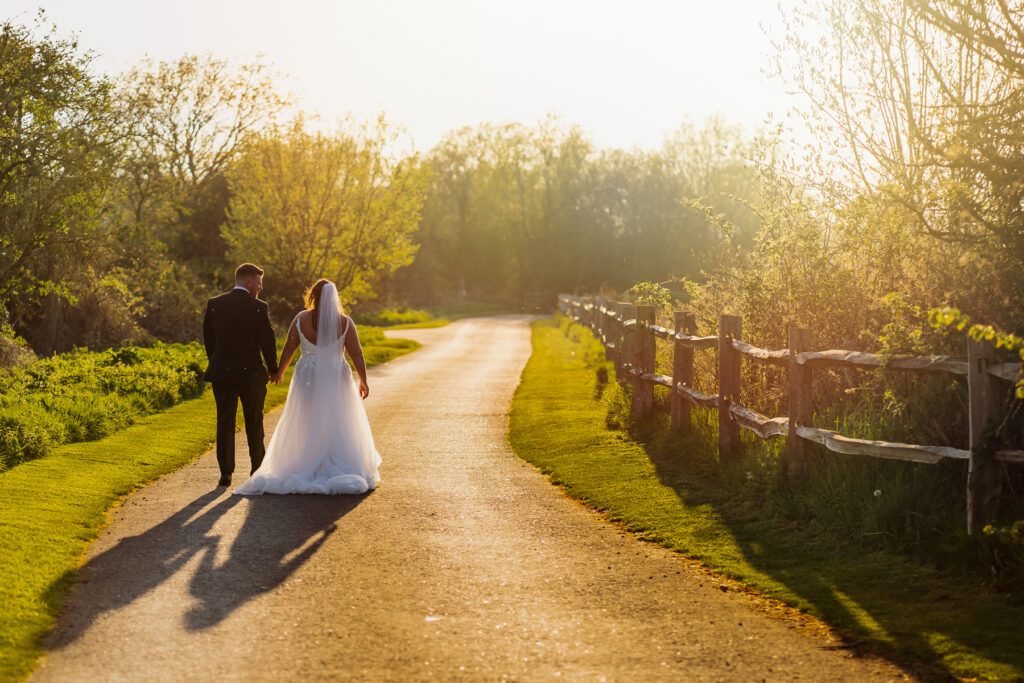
[{"x": 628, "y": 72}]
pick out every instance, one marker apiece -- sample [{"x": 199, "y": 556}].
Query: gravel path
[{"x": 465, "y": 564}]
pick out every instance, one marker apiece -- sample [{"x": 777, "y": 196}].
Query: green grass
[
  {"x": 471, "y": 309},
  {"x": 437, "y": 322},
  {"x": 51, "y": 508},
  {"x": 436, "y": 316},
  {"x": 894, "y": 605}
]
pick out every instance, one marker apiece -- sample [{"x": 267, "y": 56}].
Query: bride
[{"x": 323, "y": 442}]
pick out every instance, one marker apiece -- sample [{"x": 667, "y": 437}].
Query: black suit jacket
[{"x": 236, "y": 329}]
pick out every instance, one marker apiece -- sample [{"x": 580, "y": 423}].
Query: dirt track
[{"x": 465, "y": 564}]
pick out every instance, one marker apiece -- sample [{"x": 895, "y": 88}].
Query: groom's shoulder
[{"x": 217, "y": 301}]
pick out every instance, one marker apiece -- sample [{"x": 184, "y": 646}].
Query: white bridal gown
[{"x": 323, "y": 442}]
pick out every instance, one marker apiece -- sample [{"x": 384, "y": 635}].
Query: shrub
[
  {"x": 392, "y": 316},
  {"x": 82, "y": 395},
  {"x": 26, "y": 434}
]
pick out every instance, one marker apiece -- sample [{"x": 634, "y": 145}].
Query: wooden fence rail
[{"x": 628, "y": 333}]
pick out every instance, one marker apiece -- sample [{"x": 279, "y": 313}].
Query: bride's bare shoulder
[{"x": 303, "y": 323}]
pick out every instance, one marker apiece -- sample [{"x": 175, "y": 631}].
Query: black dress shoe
[{"x": 225, "y": 481}]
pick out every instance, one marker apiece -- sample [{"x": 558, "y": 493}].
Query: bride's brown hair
[{"x": 312, "y": 299}]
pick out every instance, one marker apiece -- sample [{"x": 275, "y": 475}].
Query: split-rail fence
[{"x": 628, "y": 333}]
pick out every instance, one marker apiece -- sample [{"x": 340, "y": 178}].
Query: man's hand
[
  {"x": 276, "y": 377},
  {"x": 364, "y": 390}
]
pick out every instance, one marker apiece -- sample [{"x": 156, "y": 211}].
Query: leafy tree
[
  {"x": 514, "y": 211},
  {"x": 187, "y": 121},
  {"x": 56, "y": 135},
  {"x": 307, "y": 205},
  {"x": 917, "y": 109}
]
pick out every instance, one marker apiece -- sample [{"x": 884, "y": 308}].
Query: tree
[
  {"x": 56, "y": 131},
  {"x": 187, "y": 122},
  {"x": 307, "y": 205},
  {"x": 518, "y": 210},
  {"x": 917, "y": 109}
]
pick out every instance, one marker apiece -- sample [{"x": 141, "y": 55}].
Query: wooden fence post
[
  {"x": 729, "y": 327},
  {"x": 644, "y": 359},
  {"x": 616, "y": 335},
  {"x": 608, "y": 328},
  {"x": 599, "y": 318},
  {"x": 983, "y": 393},
  {"x": 801, "y": 406},
  {"x": 682, "y": 371},
  {"x": 628, "y": 312}
]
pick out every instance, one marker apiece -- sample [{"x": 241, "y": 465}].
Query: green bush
[
  {"x": 27, "y": 434},
  {"x": 393, "y": 316},
  {"x": 83, "y": 395}
]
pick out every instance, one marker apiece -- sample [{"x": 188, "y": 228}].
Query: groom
[{"x": 236, "y": 330}]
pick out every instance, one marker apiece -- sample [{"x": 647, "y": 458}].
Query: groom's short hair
[{"x": 247, "y": 270}]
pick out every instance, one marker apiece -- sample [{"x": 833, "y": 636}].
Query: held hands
[
  {"x": 364, "y": 390},
  {"x": 277, "y": 376}
]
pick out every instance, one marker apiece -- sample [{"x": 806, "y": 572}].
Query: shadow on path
[
  {"x": 279, "y": 535},
  {"x": 261, "y": 556}
]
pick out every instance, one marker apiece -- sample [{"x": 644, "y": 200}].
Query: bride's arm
[
  {"x": 290, "y": 345},
  {"x": 355, "y": 352}
]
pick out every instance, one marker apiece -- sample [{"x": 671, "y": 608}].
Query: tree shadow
[
  {"x": 274, "y": 528},
  {"x": 279, "y": 535},
  {"x": 832, "y": 583}
]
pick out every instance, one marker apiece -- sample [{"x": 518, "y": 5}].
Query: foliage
[
  {"x": 653, "y": 294},
  {"x": 518, "y": 212},
  {"x": 393, "y": 316},
  {"x": 14, "y": 350},
  {"x": 186, "y": 121},
  {"x": 948, "y": 316},
  {"x": 56, "y": 127},
  {"x": 915, "y": 108},
  {"x": 307, "y": 205},
  {"x": 83, "y": 396}
]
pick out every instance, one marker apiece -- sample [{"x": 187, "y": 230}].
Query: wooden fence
[{"x": 628, "y": 332}]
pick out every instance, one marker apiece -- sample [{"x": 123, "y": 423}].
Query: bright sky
[{"x": 627, "y": 71}]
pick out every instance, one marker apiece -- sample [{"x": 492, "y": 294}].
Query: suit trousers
[{"x": 252, "y": 393}]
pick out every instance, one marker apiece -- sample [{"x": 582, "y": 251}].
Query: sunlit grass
[
  {"x": 51, "y": 508},
  {"x": 890, "y": 603},
  {"x": 436, "y": 316}
]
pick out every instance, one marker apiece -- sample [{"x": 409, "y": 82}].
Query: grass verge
[
  {"x": 437, "y": 316},
  {"x": 53, "y": 507},
  {"x": 893, "y": 605}
]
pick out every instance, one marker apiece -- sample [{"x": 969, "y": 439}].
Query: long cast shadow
[
  {"x": 279, "y": 535},
  {"x": 274, "y": 527},
  {"x": 136, "y": 565}
]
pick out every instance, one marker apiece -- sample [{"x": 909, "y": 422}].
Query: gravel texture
[{"x": 465, "y": 564}]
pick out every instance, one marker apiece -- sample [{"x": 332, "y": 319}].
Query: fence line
[{"x": 628, "y": 333}]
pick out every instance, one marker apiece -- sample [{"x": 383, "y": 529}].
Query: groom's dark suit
[{"x": 236, "y": 330}]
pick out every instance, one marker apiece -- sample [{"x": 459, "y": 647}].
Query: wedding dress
[{"x": 323, "y": 442}]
